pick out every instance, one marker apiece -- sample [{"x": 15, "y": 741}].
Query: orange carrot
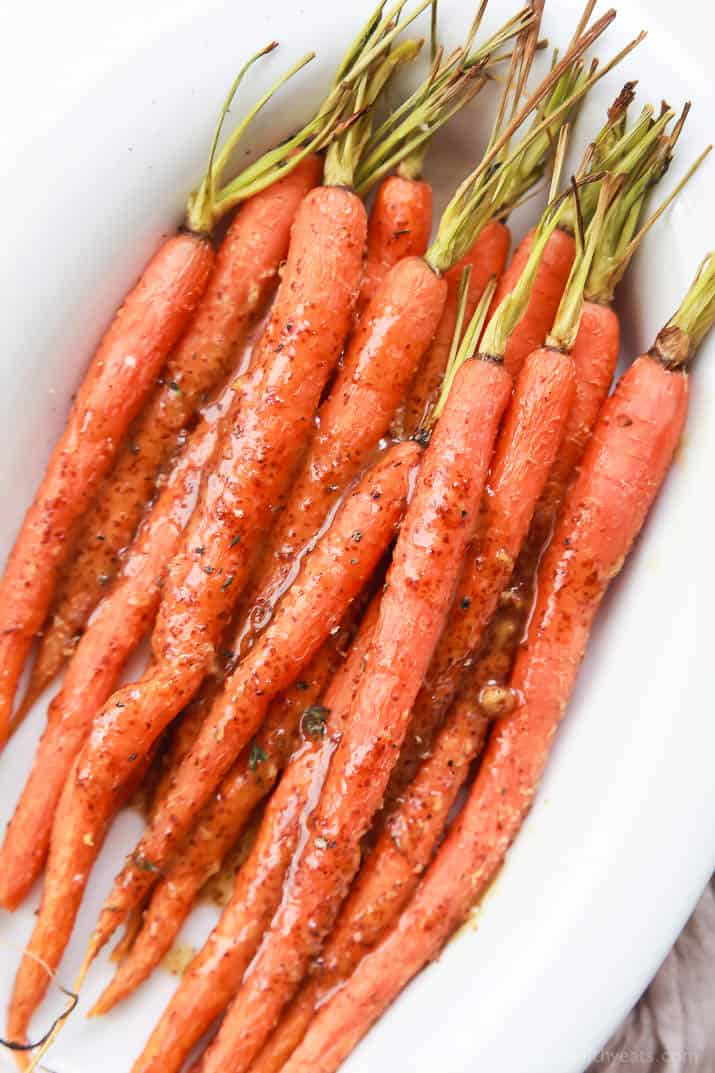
[
  {"x": 486, "y": 258},
  {"x": 399, "y": 226},
  {"x": 623, "y": 468},
  {"x": 224, "y": 818},
  {"x": 420, "y": 582},
  {"x": 393, "y": 333},
  {"x": 332, "y": 575},
  {"x": 119, "y": 378},
  {"x": 146, "y": 328},
  {"x": 242, "y": 280},
  {"x": 389, "y": 876},
  {"x": 304, "y": 335},
  {"x": 215, "y": 973},
  {"x": 116, "y": 628}
]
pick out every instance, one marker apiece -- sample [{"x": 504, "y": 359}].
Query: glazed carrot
[
  {"x": 221, "y": 822},
  {"x": 238, "y": 289},
  {"x": 399, "y": 226},
  {"x": 121, "y": 375},
  {"x": 420, "y": 582},
  {"x": 390, "y": 874},
  {"x": 559, "y": 255},
  {"x": 297, "y": 350},
  {"x": 117, "y": 626},
  {"x": 624, "y": 466},
  {"x": 332, "y": 575},
  {"x": 319, "y": 283},
  {"x": 119, "y": 378},
  {"x": 401, "y": 217},
  {"x": 215, "y": 973}
]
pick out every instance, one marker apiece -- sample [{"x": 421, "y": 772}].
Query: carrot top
[
  {"x": 402, "y": 140},
  {"x": 485, "y": 193},
  {"x": 463, "y": 346},
  {"x": 622, "y": 230},
  {"x": 213, "y": 198},
  {"x": 513, "y": 306},
  {"x": 678, "y": 341}
]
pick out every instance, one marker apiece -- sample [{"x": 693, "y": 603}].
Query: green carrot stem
[
  {"x": 568, "y": 315},
  {"x": 678, "y": 341},
  {"x": 513, "y": 306}
]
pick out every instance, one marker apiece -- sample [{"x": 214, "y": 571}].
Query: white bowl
[{"x": 107, "y": 113}]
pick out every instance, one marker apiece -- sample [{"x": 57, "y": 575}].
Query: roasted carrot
[
  {"x": 215, "y": 973},
  {"x": 401, "y": 216},
  {"x": 420, "y": 581},
  {"x": 390, "y": 874},
  {"x": 399, "y": 226},
  {"x": 297, "y": 350},
  {"x": 614, "y": 154},
  {"x": 120, "y": 377},
  {"x": 221, "y": 822},
  {"x": 239, "y": 286},
  {"x": 332, "y": 576},
  {"x": 624, "y": 466},
  {"x": 117, "y": 626}
]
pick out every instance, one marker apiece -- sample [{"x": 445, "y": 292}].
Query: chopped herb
[
  {"x": 199, "y": 551},
  {"x": 101, "y": 537},
  {"x": 227, "y": 654},
  {"x": 256, "y": 756},
  {"x": 354, "y": 562},
  {"x": 227, "y": 582},
  {"x": 302, "y": 684},
  {"x": 143, "y": 864},
  {"x": 466, "y": 602},
  {"x": 175, "y": 387},
  {"x": 132, "y": 757},
  {"x": 120, "y": 704},
  {"x": 236, "y": 540},
  {"x": 314, "y": 720},
  {"x": 357, "y": 536}
]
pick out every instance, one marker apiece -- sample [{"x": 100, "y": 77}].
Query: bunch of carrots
[{"x": 364, "y": 490}]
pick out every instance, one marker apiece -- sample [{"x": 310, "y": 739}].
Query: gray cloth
[{"x": 672, "y": 1029}]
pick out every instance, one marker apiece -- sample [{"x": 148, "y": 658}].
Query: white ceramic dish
[{"x": 106, "y": 115}]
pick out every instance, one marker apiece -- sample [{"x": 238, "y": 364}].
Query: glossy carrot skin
[
  {"x": 297, "y": 350},
  {"x": 421, "y": 580},
  {"x": 395, "y": 330},
  {"x": 242, "y": 281},
  {"x": 399, "y": 226},
  {"x": 220, "y": 823},
  {"x": 388, "y": 877},
  {"x": 530, "y": 445},
  {"x": 486, "y": 258},
  {"x": 119, "y": 378},
  {"x": 549, "y": 286},
  {"x": 623, "y": 468},
  {"x": 215, "y": 973},
  {"x": 332, "y": 576},
  {"x": 117, "y": 626}
]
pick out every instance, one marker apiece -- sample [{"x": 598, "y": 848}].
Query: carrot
[
  {"x": 624, "y": 466},
  {"x": 613, "y": 153},
  {"x": 116, "y": 628},
  {"x": 238, "y": 289},
  {"x": 401, "y": 217},
  {"x": 120, "y": 377},
  {"x": 221, "y": 822},
  {"x": 319, "y": 283},
  {"x": 399, "y": 226},
  {"x": 389, "y": 876},
  {"x": 332, "y": 576},
  {"x": 420, "y": 582},
  {"x": 215, "y": 973}
]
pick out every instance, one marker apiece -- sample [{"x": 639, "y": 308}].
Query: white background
[{"x": 106, "y": 113}]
